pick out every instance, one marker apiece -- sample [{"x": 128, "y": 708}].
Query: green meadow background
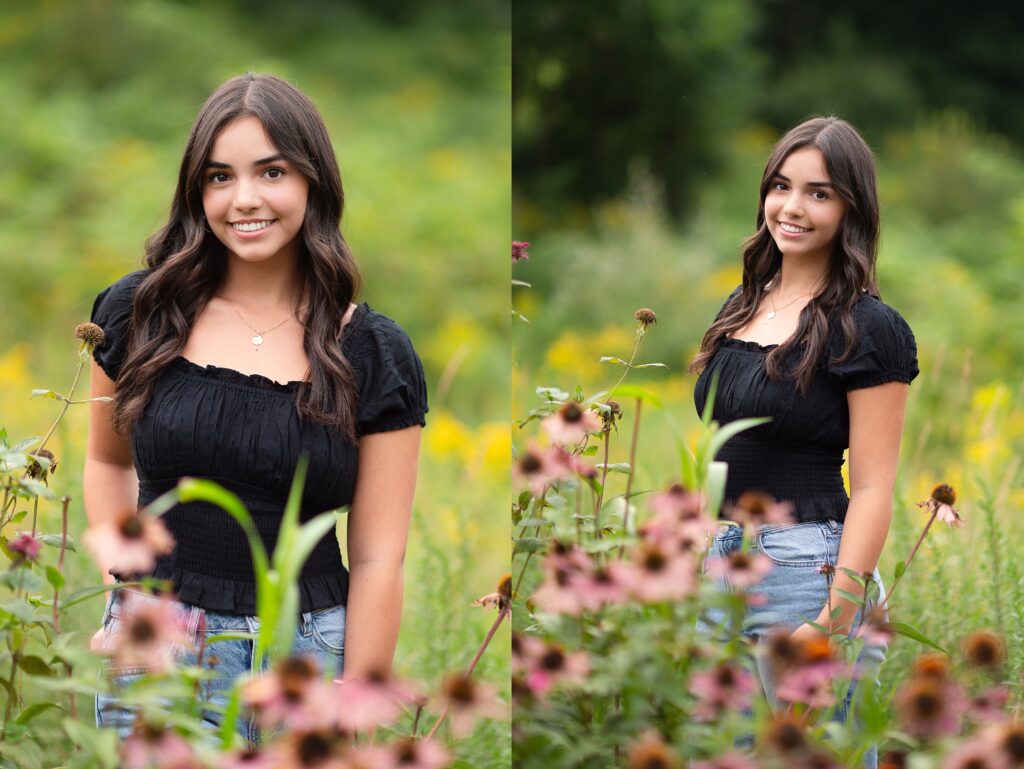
[
  {"x": 639, "y": 141},
  {"x": 98, "y": 99}
]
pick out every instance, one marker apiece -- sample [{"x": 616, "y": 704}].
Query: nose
[
  {"x": 246, "y": 195},
  {"x": 793, "y": 205}
]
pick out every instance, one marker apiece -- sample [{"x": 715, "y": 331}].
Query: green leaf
[
  {"x": 24, "y": 579},
  {"x": 552, "y": 394},
  {"x": 22, "y": 445},
  {"x": 195, "y": 489},
  {"x": 100, "y": 398},
  {"x": 857, "y": 600},
  {"x": 19, "y": 516},
  {"x": 53, "y": 540},
  {"x": 54, "y": 577},
  {"x": 641, "y": 393},
  {"x": 612, "y": 359},
  {"x": 723, "y": 434},
  {"x": 901, "y": 569},
  {"x": 714, "y": 486},
  {"x": 709, "y": 404},
  {"x": 615, "y": 467},
  {"x": 19, "y": 609},
  {"x": 856, "y": 576},
  {"x": 34, "y": 665},
  {"x": 589, "y": 451},
  {"x": 529, "y": 545},
  {"x": 913, "y": 633},
  {"x": 47, "y": 394},
  {"x": 36, "y": 488},
  {"x": 523, "y": 283},
  {"x": 650, "y": 365}
]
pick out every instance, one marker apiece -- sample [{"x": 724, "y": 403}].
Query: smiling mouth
[
  {"x": 792, "y": 228},
  {"x": 252, "y": 226}
]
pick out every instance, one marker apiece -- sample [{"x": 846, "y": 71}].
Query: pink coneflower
[
  {"x": 249, "y": 758},
  {"x": 311, "y": 749},
  {"x": 417, "y": 754},
  {"x": 976, "y": 753},
  {"x": 547, "y": 665},
  {"x": 730, "y": 760},
  {"x": 984, "y": 649},
  {"x": 150, "y": 632},
  {"x": 651, "y": 752},
  {"x": 571, "y": 424},
  {"x": 1009, "y": 740},
  {"x": 566, "y": 577},
  {"x": 742, "y": 570},
  {"x": 725, "y": 687},
  {"x": 154, "y": 747},
  {"x": 363, "y": 703},
  {"x": 680, "y": 513},
  {"x": 930, "y": 707},
  {"x": 757, "y": 509},
  {"x": 519, "y": 250},
  {"x": 657, "y": 573},
  {"x": 292, "y": 695},
  {"x": 466, "y": 700},
  {"x": 940, "y": 504},
  {"x": 537, "y": 468},
  {"x": 988, "y": 707},
  {"x": 875, "y": 629},
  {"x": 27, "y": 545},
  {"x": 129, "y": 542},
  {"x": 811, "y": 686}
]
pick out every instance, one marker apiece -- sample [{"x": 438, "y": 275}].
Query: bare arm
[
  {"x": 109, "y": 481},
  {"x": 876, "y": 426},
  {"x": 378, "y": 531}
]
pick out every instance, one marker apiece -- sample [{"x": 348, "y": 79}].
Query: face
[
  {"x": 802, "y": 209},
  {"x": 254, "y": 199}
]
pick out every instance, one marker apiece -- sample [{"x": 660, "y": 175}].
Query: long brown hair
[
  {"x": 851, "y": 168},
  {"x": 188, "y": 262}
]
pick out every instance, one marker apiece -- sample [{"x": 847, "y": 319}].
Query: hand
[{"x": 96, "y": 643}]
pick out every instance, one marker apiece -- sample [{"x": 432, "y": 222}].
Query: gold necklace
[
  {"x": 775, "y": 311},
  {"x": 257, "y": 338}
]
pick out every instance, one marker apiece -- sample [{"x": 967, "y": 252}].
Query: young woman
[
  {"x": 807, "y": 341},
  {"x": 237, "y": 349}
]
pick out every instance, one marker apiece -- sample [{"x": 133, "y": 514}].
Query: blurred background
[
  {"x": 99, "y": 96},
  {"x": 640, "y": 130}
]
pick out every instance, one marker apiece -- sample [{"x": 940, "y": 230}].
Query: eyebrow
[
  {"x": 260, "y": 162},
  {"x": 809, "y": 184}
]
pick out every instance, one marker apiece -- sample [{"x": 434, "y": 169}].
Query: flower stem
[
  {"x": 920, "y": 539},
  {"x": 632, "y": 471},
  {"x": 67, "y": 405},
  {"x": 604, "y": 478}
]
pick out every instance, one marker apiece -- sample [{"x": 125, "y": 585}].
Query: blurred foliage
[{"x": 601, "y": 89}]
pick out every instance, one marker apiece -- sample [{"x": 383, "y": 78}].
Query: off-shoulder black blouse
[
  {"x": 243, "y": 431},
  {"x": 798, "y": 455}
]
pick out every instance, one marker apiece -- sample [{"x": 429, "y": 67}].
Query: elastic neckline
[
  {"x": 745, "y": 344},
  {"x": 224, "y": 374}
]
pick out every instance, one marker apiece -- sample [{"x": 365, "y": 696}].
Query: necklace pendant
[
  {"x": 771, "y": 314},
  {"x": 257, "y": 340}
]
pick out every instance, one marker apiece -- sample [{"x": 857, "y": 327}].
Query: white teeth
[
  {"x": 792, "y": 228},
  {"x": 251, "y": 226}
]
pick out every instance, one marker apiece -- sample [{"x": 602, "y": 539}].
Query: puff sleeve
[
  {"x": 393, "y": 388},
  {"x": 112, "y": 312},
  {"x": 885, "y": 351}
]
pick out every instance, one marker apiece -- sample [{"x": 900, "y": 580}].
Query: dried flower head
[
  {"x": 91, "y": 335},
  {"x": 501, "y": 598},
  {"x": 611, "y": 413},
  {"x": 645, "y": 316},
  {"x": 940, "y": 505},
  {"x": 984, "y": 649},
  {"x": 519, "y": 250},
  {"x": 651, "y": 752},
  {"x": 26, "y": 545},
  {"x": 34, "y": 469}
]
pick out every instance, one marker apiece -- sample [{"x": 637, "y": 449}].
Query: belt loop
[{"x": 307, "y": 624}]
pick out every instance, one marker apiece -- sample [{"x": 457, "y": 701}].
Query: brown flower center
[
  {"x": 553, "y": 659},
  {"x": 142, "y": 630},
  {"x": 131, "y": 527},
  {"x": 572, "y": 413},
  {"x": 313, "y": 748}
]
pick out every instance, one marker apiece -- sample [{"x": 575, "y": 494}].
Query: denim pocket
[
  {"x": 328, "y": 626},
  {"x": 799, "y": 544}
]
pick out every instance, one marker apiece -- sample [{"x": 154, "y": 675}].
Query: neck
[
  {"x": 266, "y": 286},
  {"x": 796, "y": 278}
]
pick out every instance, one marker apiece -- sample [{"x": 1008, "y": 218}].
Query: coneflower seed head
[{"x": 944, "y": 493}]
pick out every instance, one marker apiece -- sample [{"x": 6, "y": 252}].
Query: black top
[
  {"x": 798, "y": 455},
  {"x": 244, "y": 432}
]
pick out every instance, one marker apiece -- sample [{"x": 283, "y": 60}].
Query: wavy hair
[
  {"x": 851, "y": 168},
  {"x": 188, "y": 263}
]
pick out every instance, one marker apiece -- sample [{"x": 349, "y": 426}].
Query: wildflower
[
  {"x": 611, "y": 413},
  {"x": 537, "y": 468},
  {"x": 312, "y": 748},
  {"x": 656, "y": 573},
  {"x": 150, "y": 631},
  {"x": 724, "y": 687},
  {"x": 365, "y": 702},
  {"x": 645, "y": 316},
  {"x": 894, "y": 759},
  {"x": 547, "y": 664},
  {"x": 931, "y": 665},
  {"x": 987, "y": 707},
  {"x": 27, "y": 545},
  {"x": 1010, "y": 741},
  {"x": 651, "y": 752},
  {"x": 129, "y": 542},
  {"x": 875, "y": 628},
  {"x": 466, "y": 700},
  {"x": 984, "y": 649},
  {"x": 940, "y": 505},
  {"x": 150, "y": 746},
  {"x": 417, "y": 754},
  {"x": 519, "y": 250},
  {"x": 571, "y": 424},
  {"x": 248, "y": 758},
  {"x": 292, "y": 695},
  {"x": 743, "y": 570},
  {"x": 759, "y": 509},
  {"x": 808, "y": 677},
  {"x": 502, "y": 598},
  {"x": 785, "y": 734},
  {"x": 930, "y": 707},
  {"x": 35, "y": 470},
  {"x": 92, "y": 336},
  {"x": 976, "y": 753},
  {"x": 783, "y": 652},
  {"x": 679, "y": 513}
]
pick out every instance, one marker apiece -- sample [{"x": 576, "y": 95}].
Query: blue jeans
[
  {"x": 794, "y": 592},
  {"x": 319, "y": 635}
]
